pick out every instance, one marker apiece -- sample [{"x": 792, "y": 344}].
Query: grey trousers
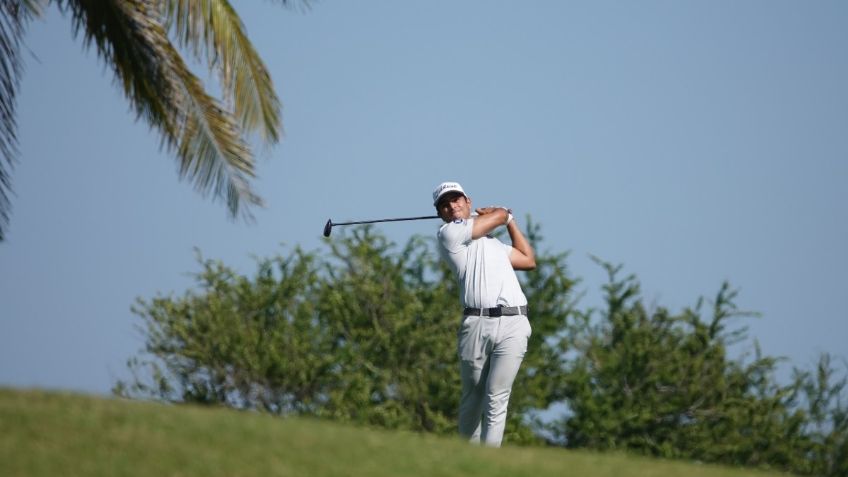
[{"x": 490, "y": 353}]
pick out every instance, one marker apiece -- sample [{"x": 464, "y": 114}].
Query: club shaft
[{"x": 423, "y": 217}]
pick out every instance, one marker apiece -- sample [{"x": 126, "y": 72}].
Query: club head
[{"x": 328, "y": 228}]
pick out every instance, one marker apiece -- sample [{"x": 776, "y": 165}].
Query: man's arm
[
  {"x": 488, "y": 219},
  {"x": 522, "y": 257}
]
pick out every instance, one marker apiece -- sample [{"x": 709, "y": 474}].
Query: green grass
[{"x": 50, "y": 433}]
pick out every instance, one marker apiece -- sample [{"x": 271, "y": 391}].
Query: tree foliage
[
  {"x": 663, "y": 384},
  {"x": 366, "y": 333}
]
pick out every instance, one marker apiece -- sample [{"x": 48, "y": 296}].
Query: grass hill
[{"x": 52, "y": 433}]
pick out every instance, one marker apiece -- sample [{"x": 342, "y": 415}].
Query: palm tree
[{"x": 208, "y": 136}]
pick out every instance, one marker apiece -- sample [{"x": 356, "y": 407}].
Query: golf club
[{"x": 328, "y": 228}]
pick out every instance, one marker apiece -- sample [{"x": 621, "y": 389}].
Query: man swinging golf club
[{"x": 494, "y": 330}]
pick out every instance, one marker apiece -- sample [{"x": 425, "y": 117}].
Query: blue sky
[{"x": 694, "y": 142}]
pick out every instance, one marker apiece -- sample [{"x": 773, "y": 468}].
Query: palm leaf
[
  {"x": 13, "y": 16},
  {"x": 130, "y": 37},
  {"x": 213, "y": 28}
]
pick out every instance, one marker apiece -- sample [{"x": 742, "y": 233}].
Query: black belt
[{"x": 497, "y": 311}]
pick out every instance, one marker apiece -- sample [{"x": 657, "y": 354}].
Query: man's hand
[
  {"x": 488, "y": 219},
  {"x": 489, "y": 210}
]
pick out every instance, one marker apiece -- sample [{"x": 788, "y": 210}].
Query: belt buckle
[{"x": 495, "y": 312}]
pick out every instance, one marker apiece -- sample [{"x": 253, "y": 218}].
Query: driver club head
[{"x": 328, "y": 228}]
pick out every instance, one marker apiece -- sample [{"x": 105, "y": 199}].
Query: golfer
[{"x": 494, "y": 330}]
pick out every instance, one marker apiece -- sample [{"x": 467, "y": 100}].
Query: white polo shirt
[{"x": 482, "y": 266}]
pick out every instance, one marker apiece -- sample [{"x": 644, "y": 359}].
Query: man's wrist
[{"x": 509, "y": 216}]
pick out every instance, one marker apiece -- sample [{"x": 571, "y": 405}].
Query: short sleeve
[{"x": 453, "y": 236}]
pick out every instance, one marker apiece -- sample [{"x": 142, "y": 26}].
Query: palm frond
[
  {"x": 13, "y": 16},
  {"x": 130, "y": 37},
  {"x": 214, "y": 29}
]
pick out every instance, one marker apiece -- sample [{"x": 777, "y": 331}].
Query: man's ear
[{"x": 439, "y": 213}]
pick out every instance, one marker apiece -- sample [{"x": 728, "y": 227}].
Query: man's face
[{"x": 454, "y": 206}]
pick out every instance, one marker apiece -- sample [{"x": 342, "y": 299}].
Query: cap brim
[{"x": 436, "y": 203}]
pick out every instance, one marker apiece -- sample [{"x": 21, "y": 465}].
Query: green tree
[
  {"x": 393, "y": 316},
  {"x": 550, "y": 293},
  {"x": 662, "y": 384},
  {"x": 825, "y": 408},
  {"x": 245, "y": 342},
  {"x": 364, "y": 336},
  {"x": 208, "y": 136},
  {"x": 366, "y": 333}
]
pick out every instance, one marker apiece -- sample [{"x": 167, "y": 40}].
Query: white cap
[{"x": 445, "y": 188}]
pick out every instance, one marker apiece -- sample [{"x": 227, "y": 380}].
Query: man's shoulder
[
  {"x": 455, "y": 222},
  {"x": 455, "y": 232},
  {"x": 453, "y": 225}
]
